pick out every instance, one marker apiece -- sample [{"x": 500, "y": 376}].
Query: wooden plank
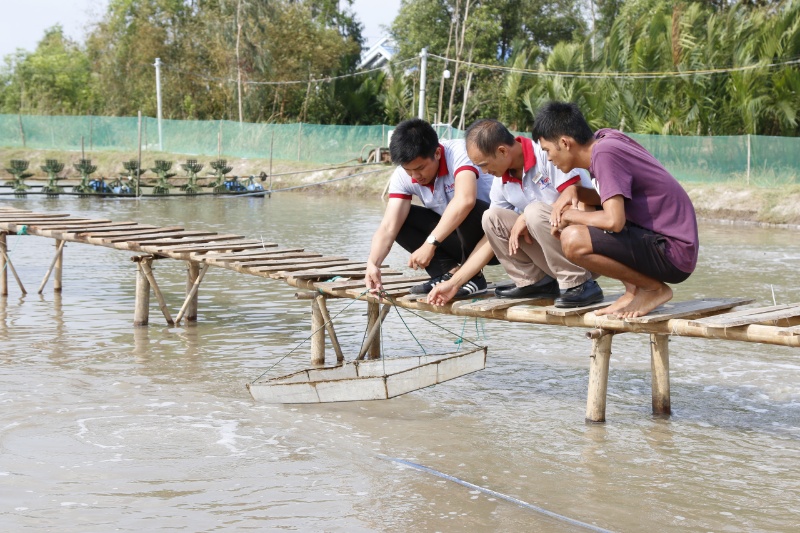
[
  {"x": 322, "y": 263},
  {"x": 133, "y": 233},
  {"x": 165, "y": 245},
  {"x": 563, "y": 311},
  {"x": 151, "y": 237},
  {"x": 671, "y": 310},
  {"x": 749, "y": 316},
  {"x": 493, "y": 304},
  {"x": 33, "y": 216},
  {"x": 69, "y": 223},
  {"x": 104, "y": 228},
  {"x": 215, "y": 246},
  {"x": 290, "y": 261},
  {"x": 331, "y": 272},
  {"x": 225, "y": 259},
  {"x": 355, "y": 284}
]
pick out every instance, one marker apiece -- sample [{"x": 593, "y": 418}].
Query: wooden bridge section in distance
[{"x": 711, "y": 318}]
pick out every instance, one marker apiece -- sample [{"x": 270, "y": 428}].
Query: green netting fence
[{"x": 756, "y": 160}]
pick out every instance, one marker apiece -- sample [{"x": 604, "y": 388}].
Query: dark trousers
[{"x": 455, "y": 249}]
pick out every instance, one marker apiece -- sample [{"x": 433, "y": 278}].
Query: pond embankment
[{"x": 730, "y": 201}]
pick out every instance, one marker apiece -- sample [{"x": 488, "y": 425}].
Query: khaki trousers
[{"x": 532, "y": 261}]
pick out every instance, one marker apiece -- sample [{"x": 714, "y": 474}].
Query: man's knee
[
  {"x": 538, "y": 211},
  {"x": 492, "y": 222},
  {"x": 575, "y": 242}
]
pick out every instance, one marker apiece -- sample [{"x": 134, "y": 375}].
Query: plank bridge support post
[
  {"x": 3, "y": 265},
  {"x": 189, "y": 309},
  {"x": 145, "y": 270},
  {"x": 317, "y": 334},
  {"x": 659, "y": 364},
  {"x": 56, "y": 264},
  {"x": 319, "y": 302},
  {"x": 141, "y": 313},
  {"x": 373, "y": 318},
  {"x": 598, "y": 375},
  {"x": 6, "y": 265}
]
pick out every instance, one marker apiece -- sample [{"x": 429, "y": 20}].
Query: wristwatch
[{"x": 432, "y": 240}]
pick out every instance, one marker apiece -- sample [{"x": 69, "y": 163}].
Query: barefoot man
[{"x": 645, "y": 235}]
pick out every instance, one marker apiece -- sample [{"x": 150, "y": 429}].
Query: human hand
[
  {"x": 442, "y": 293},
  {"x": 520, "y": 229},
  {"x": 567, "y": 200},
  {"x": 372, "y": 279},
  {"x": 422, "y": 256}
]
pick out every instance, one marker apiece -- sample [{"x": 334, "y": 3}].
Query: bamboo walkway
[{"x": 324, "y": 277}]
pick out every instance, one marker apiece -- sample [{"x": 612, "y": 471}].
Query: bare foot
[
  {"x": 622, "y": 301},
  {"x": 645, "y": 301}
]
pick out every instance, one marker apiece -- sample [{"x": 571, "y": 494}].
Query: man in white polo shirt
[
  {"x": 517, "y": 225},
  {"x": 441, "y": 233}
]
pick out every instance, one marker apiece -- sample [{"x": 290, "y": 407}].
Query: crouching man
[
  {"x": 645, "y": 235},
  {"x": 517, "y": 225},
  {"x": 442, "y": 232}
]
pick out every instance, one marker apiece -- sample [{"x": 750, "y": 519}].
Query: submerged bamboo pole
[
  {"x": 317, "y": 334},
  {"x": 598, "y": 378},
  {"x": 192, "y": 293},
  {"x": 145, "y": 265},
  {"x": 59, "y": 268},
  {"x": 326, "y": 317},
  {"x": 10, "y": 266},
  {"x": 659, "y": 364},
  {"x": 192, "y": 274},
  {"x": 3, "y": 272},
  {"x": 59, "y": 250},
  {"x": 373, "y": 334},
  {"x": 141, "y": 313},
  {"x": 373, "y": 312}
]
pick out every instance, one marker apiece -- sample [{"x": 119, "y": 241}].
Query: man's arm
[
  {"x": 396, "y": 213},
  {"x": 610, "y": 218},
  {"x": 479, "y": 258},
  {"x": 465, "y": 194}
]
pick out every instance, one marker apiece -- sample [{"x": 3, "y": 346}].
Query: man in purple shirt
[{"x": 645, "y": 235}]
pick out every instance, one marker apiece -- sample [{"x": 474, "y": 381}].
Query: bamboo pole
[
  {"x": 598, "y": 378},
  {"x": 191, "y": 275},
  {"x": 10, "y": 266},
  {"x": 326, "y": 317},
  {"x": 659, "y": 364},
  {"x": 317, "y": 334},
  {"x": 59, "y": 268},
  {"x": 145, "y": 266},
  {"x": 3, "y": 265},
  {"x": 373, "y": 312},
  {"x": 141, "y": 313},
  {"x": 192, "y": 292},
  {"x": 59, "y": 249},
  {"x": 374, "y": 330}
]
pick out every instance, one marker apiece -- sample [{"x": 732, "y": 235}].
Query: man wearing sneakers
[
  {"x": 517, "y": 225},
  {"x": 442, "y": 232}
]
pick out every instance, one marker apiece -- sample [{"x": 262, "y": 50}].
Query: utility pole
[
  {"x": 238, "y": 60},
  {"x": 422, "y": 75},
  {"x": 158, "y": 101}
]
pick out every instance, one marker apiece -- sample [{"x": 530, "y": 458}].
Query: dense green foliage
[{"x": 208, "y": 46}]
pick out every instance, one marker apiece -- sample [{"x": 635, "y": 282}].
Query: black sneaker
[
  {"x": 587, "y": 293},
  {"x": 425, "y": 288},
  {"x": 477, "y": 285}
]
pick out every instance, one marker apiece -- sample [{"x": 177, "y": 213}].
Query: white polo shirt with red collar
[
  {"x": 436, "y": 195},
  {"x": 541, "y": 181}
]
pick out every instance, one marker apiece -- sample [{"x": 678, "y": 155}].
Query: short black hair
[
  {"x": 411, "y": 139},
  {"x": 557, "y": 119},
  {"x": 487, "y": 134}
]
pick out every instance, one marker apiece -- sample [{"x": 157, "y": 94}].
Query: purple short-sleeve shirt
[{"x": 653, "y": 198}]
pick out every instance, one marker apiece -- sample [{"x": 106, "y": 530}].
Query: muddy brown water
[{"x": 109, "y": 428}]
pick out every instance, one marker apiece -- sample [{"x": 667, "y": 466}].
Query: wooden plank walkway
[{"x": 340, "y": 277}]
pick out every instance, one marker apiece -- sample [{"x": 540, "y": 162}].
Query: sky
[{"x": 23, "y": 22}]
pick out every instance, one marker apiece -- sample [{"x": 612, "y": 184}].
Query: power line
[
  {"x": 630, "y": 75},
  {"x": 293, "y": 82}
]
